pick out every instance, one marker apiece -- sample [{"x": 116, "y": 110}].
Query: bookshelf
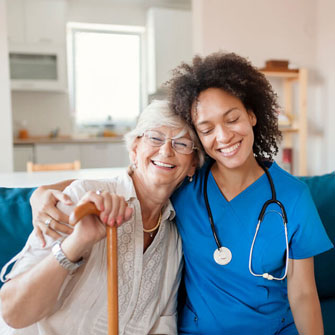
[{"x": 296, "y": 123}]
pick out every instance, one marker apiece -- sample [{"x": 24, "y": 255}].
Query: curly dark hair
[{"x": 236, "y": 76}]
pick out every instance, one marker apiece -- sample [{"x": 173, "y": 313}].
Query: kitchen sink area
[{"x": 92, "y": 152}]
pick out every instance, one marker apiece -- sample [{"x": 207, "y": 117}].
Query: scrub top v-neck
[{"x": 227, "y": 299}]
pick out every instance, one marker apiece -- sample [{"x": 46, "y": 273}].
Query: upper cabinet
[
  {"x": 37, "y": 22},
  {"x": 45, "y": 21},
  {"x": 15, "y": 21},
  {"x": 37, "y": 44},
  {"x": 169, "y": 43}
]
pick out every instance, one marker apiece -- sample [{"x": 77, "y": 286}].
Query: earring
[
  {"x": 190, "y": 179},
  {"x": 131, "y": 168}
]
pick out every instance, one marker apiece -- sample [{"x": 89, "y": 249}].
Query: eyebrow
[{"x": 224, "y": 114}]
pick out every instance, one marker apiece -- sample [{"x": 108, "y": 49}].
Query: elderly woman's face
[{"x": 163, "y": 156}]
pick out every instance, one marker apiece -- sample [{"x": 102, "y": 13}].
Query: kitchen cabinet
[
  {"x": 15, "y": 21},
  {"x": 37, "y": 44},
  {"x": 93, "y": 154},
  {"x": 22, "y": 154},
  {"x": 45, "y": 21},
  {"x": 36, "y": 22},
  {"x": 104, "y": 155},
  {"x": 56, "y": 153}
]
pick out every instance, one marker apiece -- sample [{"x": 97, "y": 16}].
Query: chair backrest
[{"x": 31, "y": 167}]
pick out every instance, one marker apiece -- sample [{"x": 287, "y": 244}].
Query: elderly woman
[{"x": 46, "y": 297}]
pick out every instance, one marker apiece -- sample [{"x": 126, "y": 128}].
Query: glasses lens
[
  {"x": 182, "y": 145},
  {"x": 155, "y": 138}
]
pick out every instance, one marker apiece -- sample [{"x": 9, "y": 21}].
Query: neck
[
  {"x": 233, "y": 181},
  {"x": 152, "y": 199}
]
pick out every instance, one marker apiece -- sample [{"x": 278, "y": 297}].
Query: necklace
[{"x": 150, "y": 231}]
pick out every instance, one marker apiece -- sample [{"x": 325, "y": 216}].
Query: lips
[
  {"x": 229, "y": 151},
  {"x": 164, "y": 165}
]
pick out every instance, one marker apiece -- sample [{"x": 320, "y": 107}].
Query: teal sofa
[{"x": 16, "y": 218}]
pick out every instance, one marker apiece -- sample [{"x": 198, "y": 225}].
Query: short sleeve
[{"x": 309, "y": 237}]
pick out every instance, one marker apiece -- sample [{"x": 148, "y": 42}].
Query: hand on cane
[{"x": 111, "y": 209}]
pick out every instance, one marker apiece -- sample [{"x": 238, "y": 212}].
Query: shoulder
[
  {"x": 191, "y": 190},
  {"x": 286, "y": 185}
]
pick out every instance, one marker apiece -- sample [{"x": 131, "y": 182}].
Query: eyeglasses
[{"x": 181, "y": 145}]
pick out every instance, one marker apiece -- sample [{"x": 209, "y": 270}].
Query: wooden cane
[{"x": 112, "y": 279}]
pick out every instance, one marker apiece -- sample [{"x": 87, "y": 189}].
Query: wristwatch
[{"x": 63, "y": 260}]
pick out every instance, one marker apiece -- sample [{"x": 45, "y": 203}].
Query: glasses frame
[{"x": 172, "y": 140}]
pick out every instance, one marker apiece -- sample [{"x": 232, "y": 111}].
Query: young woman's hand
[{"x": 47, "y": 218}]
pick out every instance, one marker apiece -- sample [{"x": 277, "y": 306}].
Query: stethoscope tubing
[{"x": 273, "y": 200}]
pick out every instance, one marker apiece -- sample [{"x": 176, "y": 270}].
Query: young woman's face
[{"x": 224, "y": 127}]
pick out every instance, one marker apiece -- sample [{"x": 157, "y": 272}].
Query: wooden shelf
[
  {"x": 299, "y": 122},
  {"x": 285, "y": 129},
  {"x": 281, "y": 74}
]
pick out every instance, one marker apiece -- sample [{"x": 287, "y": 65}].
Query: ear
[
  {"x": 252, "y": 117},
  {"x": 133, "y": 151},
  {"x": 193, "y": 167}
]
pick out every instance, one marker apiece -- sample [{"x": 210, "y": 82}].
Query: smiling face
[
  {"x": 224, "y": 127},
  {"x": 159, "y": 166}
]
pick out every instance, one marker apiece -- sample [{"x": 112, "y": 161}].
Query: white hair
[{"x": 158, "y": 114}]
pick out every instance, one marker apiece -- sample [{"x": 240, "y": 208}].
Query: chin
[{"x": 232, "y": 162}]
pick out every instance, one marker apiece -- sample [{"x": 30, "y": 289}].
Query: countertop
[
  {"x": 33, "y": 179},
  {"x": 67, "y": 139}
]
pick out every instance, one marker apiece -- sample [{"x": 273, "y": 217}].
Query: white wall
[
  {"x": 325, "y": 90},
  {"x": 109, "y": 12},
  {"x": 300, "y": 31},
  {"x": 169, "y": 43},
  {"x": 6, "y": 138}
]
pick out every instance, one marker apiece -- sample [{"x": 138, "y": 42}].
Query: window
[{"x": 105, "y": 73}]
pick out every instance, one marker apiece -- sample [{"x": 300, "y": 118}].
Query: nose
[
  {"x": 224, "y": 134},
  {"x": 166, "y": 149}
]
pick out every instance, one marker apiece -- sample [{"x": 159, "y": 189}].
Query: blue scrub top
[{"x": 227, "y": 299}]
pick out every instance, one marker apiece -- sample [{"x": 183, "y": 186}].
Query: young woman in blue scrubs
[{"x": 234, "y": 111}]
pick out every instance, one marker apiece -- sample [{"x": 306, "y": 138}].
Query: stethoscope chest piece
[{"x": 222, "y": 256}]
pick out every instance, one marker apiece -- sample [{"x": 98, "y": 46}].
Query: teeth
[
  {"x": 230, "y": 149},
  {"x": 163, "y": 164}
]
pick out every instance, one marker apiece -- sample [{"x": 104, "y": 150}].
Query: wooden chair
[{"x": 31, "y": 167}]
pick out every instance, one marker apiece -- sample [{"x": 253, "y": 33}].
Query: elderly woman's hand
[
  {"x": 113, "y": 208},
  {"x": 91, "y": 229},
  {"x": 47, "y": 218}
]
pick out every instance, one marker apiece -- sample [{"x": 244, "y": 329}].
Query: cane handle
[{"x": 80, "y": 211}]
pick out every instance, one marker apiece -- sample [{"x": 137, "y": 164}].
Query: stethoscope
[{"x": 223, "y": 255}]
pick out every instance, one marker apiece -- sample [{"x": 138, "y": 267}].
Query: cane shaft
[
  {"x": 112, "y": 270},
  {"x": 112, "y": 281}
]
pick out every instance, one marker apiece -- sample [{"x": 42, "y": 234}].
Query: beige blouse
[{"x": 148, "y": 283}]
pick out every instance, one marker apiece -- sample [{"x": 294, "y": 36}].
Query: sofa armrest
[{"x": 15, "y": 221}]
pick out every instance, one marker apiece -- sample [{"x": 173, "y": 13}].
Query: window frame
[{"x": 75, "y": 27}]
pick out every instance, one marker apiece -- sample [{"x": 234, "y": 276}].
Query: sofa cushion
[
  {"x": 323, "y": 192},
  {"x": 15, "y": 221}
]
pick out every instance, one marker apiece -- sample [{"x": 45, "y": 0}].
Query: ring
[
  {"x": 47, "y": 222},
  {"x": 98, "y": 192}
]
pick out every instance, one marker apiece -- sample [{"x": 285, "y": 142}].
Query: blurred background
[{"x": 74, "y": 74}]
